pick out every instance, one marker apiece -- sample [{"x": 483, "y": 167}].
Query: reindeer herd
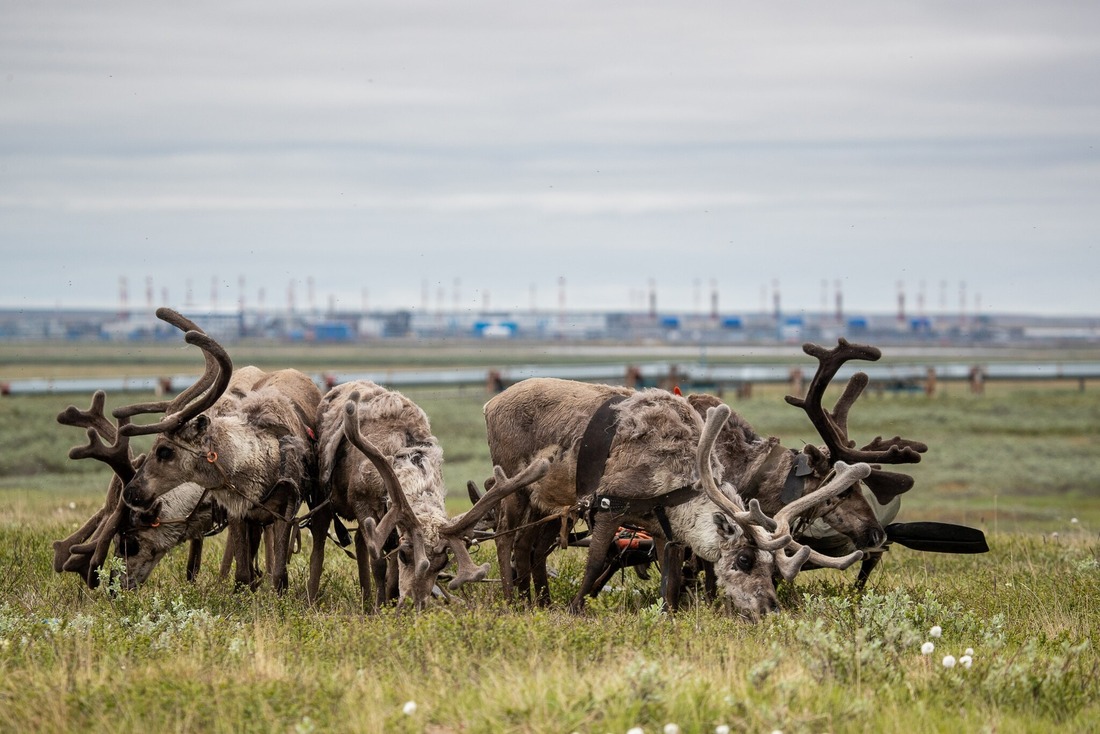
[{"x": 264, "y": 455}]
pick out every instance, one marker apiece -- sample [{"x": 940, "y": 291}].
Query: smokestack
[
  {"x": 149, "y": 292},
  {"x": 311, "y": 296},
  {"x": 962, "y": 305},
  {"x": 240, "y": 294},
  {"x": 714, "y": 300},
  {"x": 213, "y": 293},
  {"x": 561, "y": 299},
  {"x": 123, "y": 299},
  {"x": 901, "y": 303},
  {"x": 839, "y": 303},
  {"x": 652, "y": 299},
  {"x": 290, "y": 298},
  {"x": 776, "y": 310}
]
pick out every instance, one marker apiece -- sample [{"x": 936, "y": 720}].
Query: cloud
[{"x": 509, "y": 144}]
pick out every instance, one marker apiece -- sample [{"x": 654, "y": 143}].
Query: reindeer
[
  {"x": 760, "y": 468},
  {"x": 85, "y": 550},
  {"x": 381, "y": 466},
  {"x": 185, "y": 513},
  {"x": 252, "y": 453},
  {"x": 648, "y": 466}
]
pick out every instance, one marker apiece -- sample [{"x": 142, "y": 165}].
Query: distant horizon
[{"x": 484, "y": 153}]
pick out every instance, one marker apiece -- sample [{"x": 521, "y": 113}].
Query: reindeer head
[
  {"x": 184, "y": 451},
  {"x": 144, "y": 538},
  {"x": 753, "y": 548},
  {"x": 422, "y": 551}
]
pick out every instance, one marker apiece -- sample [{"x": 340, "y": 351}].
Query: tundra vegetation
[{"x": 1017, "y": 462}]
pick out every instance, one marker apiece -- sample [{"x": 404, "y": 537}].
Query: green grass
[{"x": 1017, "y": 463}]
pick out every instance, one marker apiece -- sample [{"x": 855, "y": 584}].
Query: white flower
[
  {"x": 966, "y": 661},
  {"x": 1054, "y": 534},
  {"x": 927, "y": 648},
  {"x": 968, "y": 652},
  {"x": 72, "y": 506},
  {"x": 722, "y": 729},
  {"x": 949, "y": 661},
  {"x": 635, "y": 730},
  {"x": 409, "y": 708},
  {"x": 936, "y": 631},
  {"x": 672, "y": 729},
  {"x": 1073, "y": 520}
]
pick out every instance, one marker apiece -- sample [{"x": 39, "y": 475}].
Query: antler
[
  {"x": 833, "y": 427},
  {"x": 768, "y": 534},
  {"x": 117, "y": 455},
  {"x": 400, "y": 514},
  {"x": 85, "y": 550},
  {"x": 453, "y": 533},
  {"x": 754, "y": 522},
  {"x": 209, "y": 387},
  {"x": 844, "y": 477}
]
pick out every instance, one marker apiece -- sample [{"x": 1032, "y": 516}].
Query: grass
[{"x": 1016, "y": 462}]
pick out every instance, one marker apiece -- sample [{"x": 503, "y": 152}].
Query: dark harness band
[{"x": 596, "y": 446}]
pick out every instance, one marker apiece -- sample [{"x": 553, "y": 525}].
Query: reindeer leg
[
  {"x": 363, "y": 563},
  {"x": 232, "y": 538},
  {"x": 605, "y": 526},
  {"x": 318, "y": 531},
  {"x": 505, "y": 543},
  {"x": 194, "y": 559},
  {"x": 523, "y": 550},
  {"x": 281, "y": 532},
  {"x": 539, "y": 575},
  {"x": 672, "y": 575},
  {"x": 865, "y": 569}
]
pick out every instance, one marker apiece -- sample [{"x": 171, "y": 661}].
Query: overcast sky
[{"x": 412, "y": 154}]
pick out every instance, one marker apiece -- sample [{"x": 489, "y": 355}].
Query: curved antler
[
  {"x": 453, "y": 533},
  {"x": 844, "y": 476},
  {"x": 768, "y": 534},
  {"x": 214, "y": 381},
  {"x": 833, "y": 426},
  {"x": 85, "y": 550},
  {"x": 753, "y": 521},
  {"x": 400, "y": 514}
]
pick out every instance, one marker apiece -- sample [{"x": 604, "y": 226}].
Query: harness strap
[
  {"x": 596, "y": 446},
  {"x": 641, "y": 506}
]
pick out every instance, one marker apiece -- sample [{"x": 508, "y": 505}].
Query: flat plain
[{"x": 1017, "y": 462}]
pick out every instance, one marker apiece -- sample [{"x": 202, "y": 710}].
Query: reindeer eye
[
  {"x": 744, "y": 561},
  {"x": 165, "y": 453},
  {"x": 128, "y": 547},
  {"x": 403, "y": 556}
]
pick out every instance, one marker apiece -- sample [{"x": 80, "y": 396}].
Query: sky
[{"x": 585, "y": 155}]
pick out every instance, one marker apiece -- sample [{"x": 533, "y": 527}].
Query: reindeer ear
[
  {"x": 886, "y": 485},
  {"x": 727, "y": 531}
]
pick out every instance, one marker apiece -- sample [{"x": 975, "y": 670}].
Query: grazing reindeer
[
  {"x": 649, "y": 470},
  {"x": 85, "y": 550},
  {"x": 252, "y": 454},
  {"x": 760, "y": 468},
  {"x": 380, "y": 465}
]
